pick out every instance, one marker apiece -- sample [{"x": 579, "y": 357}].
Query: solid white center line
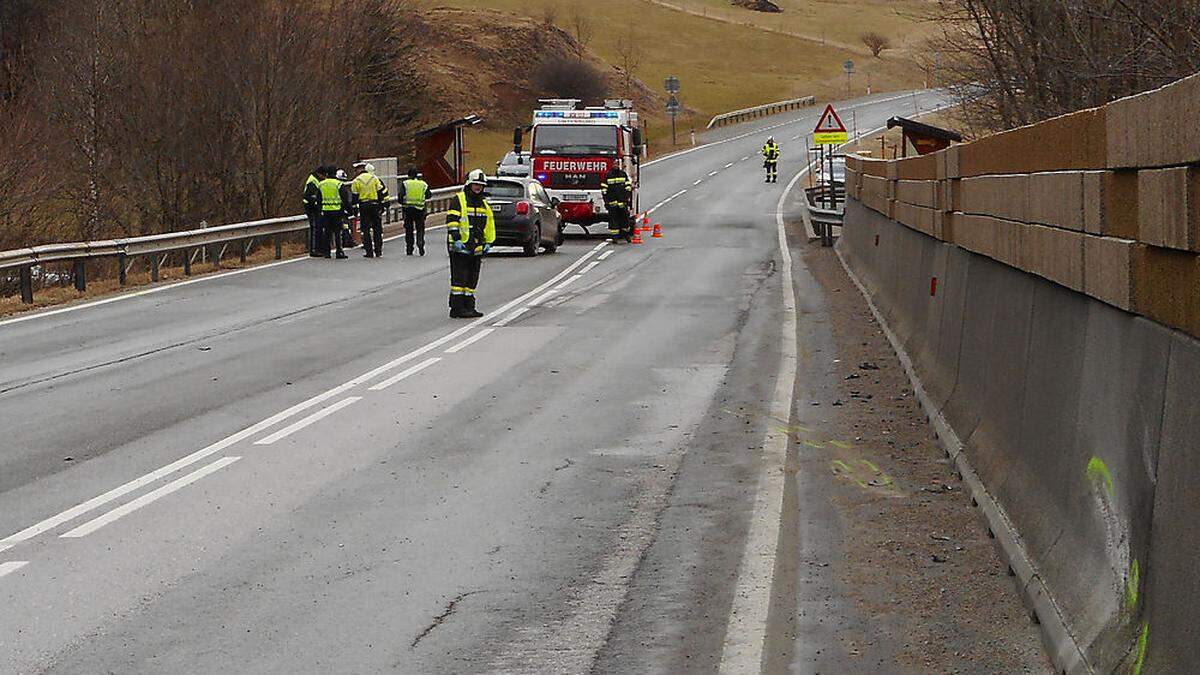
[
  {"x": 545, "y": 296},
  {"x": 568, "y": 282},
  {"x": 10, "y": 567},
  {"x": 604, "y": 256},
  {"x": 589, "y": 267},
  {"x": 470, "y": 341},
  {"x": 510, "y": 318},
  {"x": 148, "y": 498},
  {"x": 413, "y": 370},
  {"x": 315, "y": 417}
]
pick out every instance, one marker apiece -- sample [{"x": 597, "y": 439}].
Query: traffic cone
[
  {"x": 657, "y": 231},
  {"x": 645, "y": 222},
  {"x": 637, "y": 236}
]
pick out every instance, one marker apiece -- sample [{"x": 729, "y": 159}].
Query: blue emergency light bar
[{"x": 550, "y": 114}]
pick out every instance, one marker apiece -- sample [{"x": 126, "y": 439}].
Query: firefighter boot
[
  {"x": 458, "y": 307},
  {"x": 469, "y": 310}
]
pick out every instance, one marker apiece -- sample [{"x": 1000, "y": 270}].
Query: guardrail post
[
  {"x": 242, "y": 246},
  {"x": 214, "y": 253},
  {"x": 122, "y": 272},
  {"x": 80, "y": 275},
  {"x": 279, "y": 247},
  {"x": 26, "y": 274},
  {"x": 154, "y": 267},
  {"x": 187, "y": 262}
]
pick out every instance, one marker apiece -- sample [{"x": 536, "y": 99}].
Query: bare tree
[
  {"x": 876, "y": 42},
  {"x": 630, "y": 53},
  {"x": 581, "y": 25},
  {"x": 549, "y": 12}
]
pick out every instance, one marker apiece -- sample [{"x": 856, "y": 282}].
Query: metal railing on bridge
[
  {"x": 736, "y": 116},
  {"x": 215, "y": 242}
]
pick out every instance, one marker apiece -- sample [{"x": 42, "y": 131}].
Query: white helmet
[
  {"x": 341, "y": 175},
  {"x": 370, "y": 168},
  {"x": 477, "y": 177},
  {"x": 770, "y": 139}
]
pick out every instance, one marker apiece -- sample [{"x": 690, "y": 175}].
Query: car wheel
[{"x": 535, "y": 243}]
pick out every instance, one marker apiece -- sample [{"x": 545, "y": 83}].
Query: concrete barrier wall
[{"x": 1057, "y": 349}]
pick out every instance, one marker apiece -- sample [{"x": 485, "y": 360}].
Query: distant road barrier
[
  {"x": 216, "y": 240},
  {"x": 736, "y": 116}
]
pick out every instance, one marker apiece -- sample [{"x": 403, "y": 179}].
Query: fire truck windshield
[{"x": 563, "y": 139}]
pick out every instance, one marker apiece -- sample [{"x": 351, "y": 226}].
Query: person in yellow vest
[
  {"x": 771, "y": 153},
  {"x": 332, "y": 215},
  {"x": 470, "y": 232},
  {"x": 416, "y": 194},
  {"x": 372, "y": 198},
  {"x": 312, "y": 208}
]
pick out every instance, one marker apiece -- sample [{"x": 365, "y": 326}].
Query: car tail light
[{"x": 522, "y": 208}]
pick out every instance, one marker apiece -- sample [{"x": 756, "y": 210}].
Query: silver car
[{"x": 515, "y": 165}]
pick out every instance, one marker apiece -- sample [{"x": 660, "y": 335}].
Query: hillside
[{"x": 723, "y": 62}]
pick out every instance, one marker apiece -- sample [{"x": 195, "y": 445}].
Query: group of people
[{"x": 332, "y": 200}]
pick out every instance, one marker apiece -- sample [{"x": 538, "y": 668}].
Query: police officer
[
  {"x": 470, "y": 231},
  {"x": 372, "y": 196},
  {"x": 416, "y": 193},
  {"x": 618, "y": 197},
  {"x": 312, "y": 208},
  {"x": 332, "y": 215},
  {"x": 770, "y": 153}
]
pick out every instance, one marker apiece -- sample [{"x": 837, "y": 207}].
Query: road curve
[{"x": 309, "y": 468}]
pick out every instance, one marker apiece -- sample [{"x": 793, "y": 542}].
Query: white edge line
[
  {"x": 11, "y": 566},
  {"x": 148, "y": 498},
  {"x": 5, "y": 547},
  {"x": 470, "y": 341},
  {"x": 551, "y": 293},
  {"x": 405, "y": 373},
  {"x": 121, "y": 490},
  {"x": 603, "y": 256},
  {"x": 305, "y": 421},
  {"x": 568, "y": 282},
  {"x": 510, "y": 317},
  {"x": 589, "y": 267}
]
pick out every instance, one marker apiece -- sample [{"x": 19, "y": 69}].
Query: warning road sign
[{"x": 830, "y": 130}]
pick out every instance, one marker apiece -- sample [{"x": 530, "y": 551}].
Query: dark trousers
[
  {"x": 619, "y": 224},
  {"x": 314, "y": 229},
  {"x": 414, "y": 229},
  {"x": 772, "y": 167},
  {"x": 331, "y": 232},
  {"x": 370, "y": 223},
  {"x": 464, "y": 275}
]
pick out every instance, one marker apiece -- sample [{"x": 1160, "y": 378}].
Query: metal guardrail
[
  {"x": 188, "y": 242},
  {"x": 736, "y": 116}
]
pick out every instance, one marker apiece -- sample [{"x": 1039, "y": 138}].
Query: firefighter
[
  {"x": 372, "y": 196},
  {"x": 416, "y": 194},
  {"x": 470, "y": 231},
  {"x": 349, "y": 208},
  {"x": 618, "y": 195},
  {"x": 312, "y": 208},
  {"x": 332, "y": 214},
  {"x": 770, "y": 153}
]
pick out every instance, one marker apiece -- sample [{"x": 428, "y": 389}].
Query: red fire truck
[{"x": 573, "y": 148}]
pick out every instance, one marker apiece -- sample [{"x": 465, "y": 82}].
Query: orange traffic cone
[
  {"x": 637, "y": 236},
  {"x": 645, "y": 222},
  {"x": 657, "y": 231}
]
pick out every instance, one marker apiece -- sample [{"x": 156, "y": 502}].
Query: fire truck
[{"x": 573, "y": 148}]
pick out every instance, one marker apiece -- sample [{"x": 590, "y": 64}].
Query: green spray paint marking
[
  {"x": 841, "y": 444},
  {"x": 1131, "y": 585},
  {"x": 1098, "y": 470},
  {"x": 1143, "y": 642}
]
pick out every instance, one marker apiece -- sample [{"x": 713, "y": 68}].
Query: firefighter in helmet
[
  {"x": 470, "y": 232},
  {"x": 770, "y": 153},
  {"x": 618, "y": 200}
]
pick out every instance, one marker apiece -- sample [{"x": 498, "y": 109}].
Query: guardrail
[
  {"x": 737, "y": 116},
  {"x": 216, "y": 240}
]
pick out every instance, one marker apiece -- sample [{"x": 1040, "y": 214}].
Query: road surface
[{"x": 309, "y": 468}]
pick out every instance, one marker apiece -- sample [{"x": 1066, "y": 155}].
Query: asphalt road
[{"x": 309, "y": 468}]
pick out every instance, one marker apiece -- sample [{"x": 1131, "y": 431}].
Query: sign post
[{"x": 673, "y": 106}]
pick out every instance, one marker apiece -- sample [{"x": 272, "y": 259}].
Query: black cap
[{"x": 412, "y": 172}]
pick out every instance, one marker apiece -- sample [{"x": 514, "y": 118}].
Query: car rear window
[{"x": 505, "y": 189}]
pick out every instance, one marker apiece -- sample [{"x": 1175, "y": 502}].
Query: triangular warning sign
[{"x": 830, "y": 123}]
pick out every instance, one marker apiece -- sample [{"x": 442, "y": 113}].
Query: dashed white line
[
  {"x": 311, "y": 419},
  {"x": 414, "y": 370},
  {"x": 713, "y": 173},
  {"x": 148, "y": 498},
  {"x": 470, "y": 341},
  {"x": 729, "y": 165},
  {"x": 698, "y": 182},
  {"x": 604, "y": 256},
  {"x": 568, "y": 282},
  {"x": 12, "y": 566},
  {"x": 589, "y": 267},
  {"x": 511, "y": 317},
  {"x": 745, "y": 158}
]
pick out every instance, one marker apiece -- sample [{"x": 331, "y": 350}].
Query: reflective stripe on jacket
[
  {"x": 771, "y": 152},
  {"x": 369, "y": 188},
  {"x": 416, "y": 191},
  {"x": 331, "y": 195}
]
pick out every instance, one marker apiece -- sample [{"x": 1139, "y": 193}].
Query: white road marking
[
  {"x": 714, "y": 173},
  {"x": 306, "y": 421},
  {"x": 511, "y": 317},
  {"x": 5, "y": 547},
  {"x": 729, "y": 165},
  {"x": 470, "y": 341},
  {"x": 551, "y": 293},
  {"x": 698, "y": 182},
  {"x": 746, "y": 158},
  {"x": 148, "y": 498},
  {"x": 663, "y": 203},
  {"x": 746, "y": 632},
  {"x": 137, "y": 483},
  {"x": 167, "y": 287},
  {"x": 589, "y": 267},
  {"x": 413, "y": 370},
  {"x": 604, "y": 256},
  {"x": 10, "y": 567},
  {"x": 568, "y": 282}
]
